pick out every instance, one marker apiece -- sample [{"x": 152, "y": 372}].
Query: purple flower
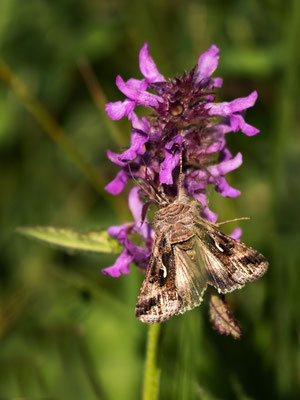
[
  {"x": 132, "y": 252},
  {"x": 185, "y": 123},
  {"x": 173, "y": 150}
]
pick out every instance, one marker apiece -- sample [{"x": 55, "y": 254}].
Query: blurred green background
[{"x": 66, "y": 331}]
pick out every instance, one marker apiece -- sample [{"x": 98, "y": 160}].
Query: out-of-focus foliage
[
  {"x": 73, "y": 241},
  {"x": 66, "y": 331}
]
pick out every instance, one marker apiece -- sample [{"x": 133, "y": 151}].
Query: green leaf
[{"x": 69, "y": 239}]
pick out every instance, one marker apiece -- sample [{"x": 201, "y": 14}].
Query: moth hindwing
[{"x": 188, "y": 254}]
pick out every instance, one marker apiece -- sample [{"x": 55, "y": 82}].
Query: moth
[{"x": 188, "y": 254}]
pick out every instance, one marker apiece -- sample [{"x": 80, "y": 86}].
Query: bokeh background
[{"x": 66, "y": 331}]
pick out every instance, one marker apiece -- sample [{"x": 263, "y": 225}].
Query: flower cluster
[{"x": 185, "y": 122}]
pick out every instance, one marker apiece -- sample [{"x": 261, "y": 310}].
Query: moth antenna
[
  {"x": 137, "y": 182},
  {"x": 157, "y": 190},
  {"x": 231, "y": 220}
]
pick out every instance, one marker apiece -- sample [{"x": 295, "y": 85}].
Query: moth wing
[
  {"x": 191, "y": 277},
  {"x": 229, "y": 264},
  {"x": 173, "y": 284},
  {"x": 158, "y": 299}
]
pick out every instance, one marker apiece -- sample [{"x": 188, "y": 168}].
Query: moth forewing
[
  {"x": 159, "y": 299},
  {"x": 229, "y": 263},
  {"x": 173, "y": 283}
]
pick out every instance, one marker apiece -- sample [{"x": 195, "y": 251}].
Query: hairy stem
[{"x": 152, "y": 371}]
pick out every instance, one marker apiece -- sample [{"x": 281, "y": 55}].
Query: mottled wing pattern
[
  {"x": 173, "y": 284},
  {"x": 229, "y": 264},
  {"x": 158, "y": 299}
]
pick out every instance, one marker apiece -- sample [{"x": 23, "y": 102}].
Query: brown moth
[{"x": 188, "y": 254}]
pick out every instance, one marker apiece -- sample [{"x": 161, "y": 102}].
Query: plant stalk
[{"x": 152, "y": 371}]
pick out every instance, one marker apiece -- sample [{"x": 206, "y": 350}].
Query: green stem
[{"x": 152, "y": 371}]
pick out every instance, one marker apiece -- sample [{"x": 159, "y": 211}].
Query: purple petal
[
  {"x": 121, "y": 266},
  {"x": 217, "y": 145},
  {"x": 142, "y": 257},
  {"x": 148, "y": 67},
  {"x": 201, "y": 197},
  {"x": 121, "y": 232},
  {"x": 137, "y": 83},
  {"x": 142, "y": 124},
  {"x": 209, "y": 215},
  {"x": 115, "y": 158},
  {"x": 117, "y": 185},
  {"x": 118, "y": 109},
  {"x": 217, "y": 82},
  {"x": 117, "y": 231},
  {"x": 236, "y": 234},
  {"x": 226, "y": 166},
  {"x": 225, "y": 155},
  {"x": 135, "y": 204},
  {"x": 223, "y": 126},
  {"x": 209, "y": 98},
  {"x": 141, "y": 97},
  {"x": 138, "y": 140},
  {"x": 238, "y": 123},
  {"x": 225, "y": 189},
  {"x": 207, "y": 63},
  {"x": 136, "y": 207},
  {"x": 228, "y": 108},
  {"x": 196, "y": 180},
  {"x": 173, "y": 151}
]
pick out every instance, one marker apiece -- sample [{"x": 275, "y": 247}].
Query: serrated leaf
[
  {"x": 222, "y": 318},
  {"x": 69, "y": 239}
]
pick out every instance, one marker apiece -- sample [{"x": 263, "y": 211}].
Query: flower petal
[
  {"x": 226, "y": 166},
  {"x": 196, "y": 180},
  {"x": 223, "y": 126},
  {"x": 141, "y": 97},
  {"x": 140, "y": 123},
  {"x": 173, "y": 151},
  {"x": 116, "y": 231},
  {"x": 138, "y": 140},
  {"x": 225, "y": 189},
  {"x": 141, "y": 257},
  {"x": 115, "y": 158},
  {"x": 217, "y": 82},
  {"x": 136, "y": 207},
  {"x": 121, "y": 232},
  {"x": 121, "y": 266},
  {"x": 236, "y": 234},
  {"x": 118, "y": 109},
  {"x": 140, "y": 84},
  {"x": 201, "y": 197},
  {"x": 148, "y": 67},
  {"x": 117, "y": 185},
  {"x": 228, "y": 108},
  {"x": 209, "y": 215},
  {"x": 207, "y": 63},
  {"x": 225, "y": 155},
  {"x": 238, "y": 123},
  {"x": 217, "y": 145}
]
